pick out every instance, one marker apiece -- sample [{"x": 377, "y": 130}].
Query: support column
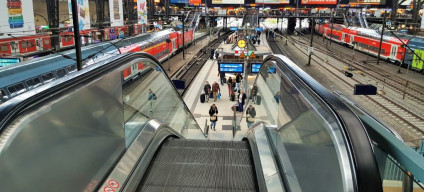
[
  {"x": 167, "y": 10},
  {"x": 100, "y": 12},
  {"x": 77, "y": 37},
  {"x": 53, "y": 21},
  {"x": 381, "y": 38}
]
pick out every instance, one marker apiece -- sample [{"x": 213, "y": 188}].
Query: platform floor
[{"x": 224, "y": 125}]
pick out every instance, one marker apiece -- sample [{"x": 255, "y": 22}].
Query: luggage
[
  {"x": 233, "y": 97},
  {"x": 211, "y": 95},
  {"x": 235, "y": 107},
  {"x": 202, "y": 98},
  {"x": 258, "y": 99}
]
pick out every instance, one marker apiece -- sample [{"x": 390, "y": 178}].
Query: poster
[
  {"x": 116, "y": 13},
  {"x": 227, "y": 1},
  {"x": 17, "y": 17},
  {"x": 142, "y": 11},
  {"x": 318, "y": 2},
  {"x": 83, "y": 14},
  {"x": 272, "y": 1}
]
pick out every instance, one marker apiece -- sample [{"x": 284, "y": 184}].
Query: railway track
[
  {"x": 189, "y": 71},
  {"x": 413, "y": 91},
  {"x": 407, "y": 119}
]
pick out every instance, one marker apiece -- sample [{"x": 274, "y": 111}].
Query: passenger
[
  {"x": 230, "y": 84},
  {"x": 250, "y": 115},
  {"x": 254, "y": 93},
  {"x": 207, "y": 88},
  {"x": 277, "y": 97},
  {"x": 151, "y": 98},
  {"x": 259, "y": 41},
  {"x": 238, "y": 80},
  {"x": 215, "y": 90},
  {"x": 242, "y": 98},
  {"x": 222, "y": 77},
  {"x": 213, "y": 113}
]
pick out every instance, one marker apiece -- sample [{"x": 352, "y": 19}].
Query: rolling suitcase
[
  {"x": 233, "y": 96},
  {"x": 202, "y": 98},
  {"x": 258, "y": 99},
  {"x": 211, "y": 95}
]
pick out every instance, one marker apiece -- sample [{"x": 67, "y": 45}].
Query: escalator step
[{"x": 192, "y": 165}]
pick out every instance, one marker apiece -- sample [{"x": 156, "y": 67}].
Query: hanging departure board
[{"x": 231, "y": 67}]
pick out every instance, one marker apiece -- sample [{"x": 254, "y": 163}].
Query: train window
[
  {"x": 16, "y": 89},
  {"x": 71, "y": 68},
  {"x": 4, "y": 48},
  {"x": 3, "y": 95},
  {"x": 24, "y": 45},
  {"x": 47, "y": 77},
  {"x": 46, "y": 41},
  {"x": 60, "y": 73},
  {"x": 32, "y": 83}
]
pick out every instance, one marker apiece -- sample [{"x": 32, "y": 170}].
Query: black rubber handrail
[{"x": 366, "y": 173}]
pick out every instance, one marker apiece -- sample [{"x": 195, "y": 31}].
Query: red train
[
  {"x": 37, "y": 44},
  {"x": 366, "y": 40}
]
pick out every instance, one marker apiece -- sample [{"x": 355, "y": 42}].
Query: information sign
[
  {"x": 228, "y": 2},
  {"x": 272, "y": 1},
  {"x": 233, "y": 29},
  {"x": 254, "y": 68},
  {"x": 178, "y": 1},
  {"x": 259, "y": 29},
  {"x": 231, "y": 67},
  {"x": 368, "y": 2},
  {"x": 8, "y": 61}
]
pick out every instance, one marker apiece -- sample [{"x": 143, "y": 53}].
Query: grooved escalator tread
[{"x": 194, "y": 165}]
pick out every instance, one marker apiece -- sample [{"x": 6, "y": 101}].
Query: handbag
[
  {"x": 219, "y": 95},
  {"x": 250, "y": 119},
  {"x": 213, "y": 118}
]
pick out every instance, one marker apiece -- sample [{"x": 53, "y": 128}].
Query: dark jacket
[
  {"x": 213, "y": 111},
  {"x": 243, "y": 98},
  {"x": 252, "y": 112},
  {"x": 207, "y": 88},
  {"x": 254, "y": 90},
  {"x": 238, "y": 78}
]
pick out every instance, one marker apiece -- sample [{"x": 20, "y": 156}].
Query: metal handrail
[{"x": 206, "y": 129}]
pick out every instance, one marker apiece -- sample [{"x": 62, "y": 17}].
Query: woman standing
[
  {"x": 213, "y": 113},
  {"x": 250, "y": 115}
]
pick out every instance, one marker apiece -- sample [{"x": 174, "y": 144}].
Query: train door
[
  {"x": 393, "y": 52},
  {"x": 174, "y": 45},
  {"x": 351, "y": 39},
  {"x": 343, "y": 37}
]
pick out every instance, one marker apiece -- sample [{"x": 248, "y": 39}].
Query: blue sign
[
  {"x": 254, "y": 68},
  {"x": 233, "y": 29},
  {"x": 178, "y": 1},
  {"x": 8, "y": 61},
  {"x": 259, "y": 29},
  {"x": 231, "y": 67},
  {"x": 180, "y": 26}
]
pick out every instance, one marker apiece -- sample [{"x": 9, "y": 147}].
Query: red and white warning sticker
[
  {"x": 113, "y": 184},
  {"x": 108, "y": 189}
]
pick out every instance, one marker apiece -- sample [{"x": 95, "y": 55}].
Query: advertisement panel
[
  {"x": 319, "y": 2},
  {"x": 142, "y": 11},
  {"x": 196, "y": 2},
  {"x": 178, "y": 1},
  {"x": 227, "y": 1},
  {"x": 272, "y": 1},
  {"x": 116, "y": 13},
  {"x": 16, "y": 17},
  {"x": 368, "y": 2},
  {"x": 83, "y": 14}
]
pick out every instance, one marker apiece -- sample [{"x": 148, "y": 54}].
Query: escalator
[
  {"x": 100, "y": 130},
  {"x": 194, "y": 165}
]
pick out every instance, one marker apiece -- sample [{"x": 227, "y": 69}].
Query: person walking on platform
[
  {"x": 207, "y": 88},
  {"x": 230, "y": 85},
  {"x": 259, "y": 41},
  {"x": 238, "y": 80},
  {"x": 222, "y": 78},
  {"x": 254, "y": 92},
  {"x": 250, "y": 115},
  {"x": 215, "y": 90},
  {"x": 213, "y": 113},
  {"x": 241, "y": 99},
  {"x": 151, "y": 97}
]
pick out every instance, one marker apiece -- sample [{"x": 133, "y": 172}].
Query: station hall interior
[{"x": 212, "y": 95}]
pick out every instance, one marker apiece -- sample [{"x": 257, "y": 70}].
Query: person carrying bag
[
  {"x": 213, "y": 113},
  {"x": 250, "y": 115}
]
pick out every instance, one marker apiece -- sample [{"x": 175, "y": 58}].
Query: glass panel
[
  {"x": 60, "y": 73},
  {"x": 3, "y": 95},
  {"x": 4, "y": 48},
  {"x": 148, "y": 93},
  {"x": 32, "y": 83},
  {"x": 71, "y": 68},
  {"x": 306, "y": 132},
  {"x": 47, "y": 77},
  {"x": 16, "y": 89}
]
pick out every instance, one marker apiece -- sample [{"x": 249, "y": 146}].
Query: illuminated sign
[
  {"x": 227, "y": 1},
  {"x": 233, "y": 29},
  {"x": 319, "y": 2},
  {"x": 272, "y": 1},
  {"x": 8, "y": 61},
  {"x": 368, "y": 2},
  {"x": 178, "y": 1},
  {"x": 231, "y": 67},
  {"x": 254, "y": 68},
  {"x": 195, "y": 2}
]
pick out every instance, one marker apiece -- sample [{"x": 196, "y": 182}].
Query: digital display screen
[
  {"x": 231, "y": 67},
  {"x": 178, "y": 1},
  {"x": 318, "y": 2},
  {"x": 254, "y": 68},
  {"x": 8, "y": 61},
  {"x": 272, "y": 1}
]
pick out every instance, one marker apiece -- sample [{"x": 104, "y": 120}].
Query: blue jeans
[
  {"x": 240, "y": 107},
  {"x": 213, "y": 124}
]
